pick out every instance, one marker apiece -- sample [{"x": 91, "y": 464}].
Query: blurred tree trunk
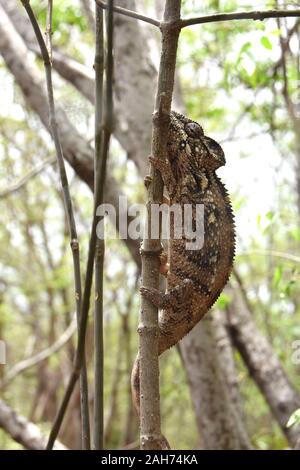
[
  {"x": 207, "y": 356},
  {"x": 263, "y": 365},
  {"x": 21, "y": 430}
]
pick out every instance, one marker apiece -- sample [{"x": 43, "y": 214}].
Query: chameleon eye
[
  {"x": 194, "y": 130},
  {"x": 182, "y": 144}
]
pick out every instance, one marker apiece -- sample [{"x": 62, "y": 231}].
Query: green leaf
[
  {"x": 294, "y": 419},
  {"x": 223, "y": 301},
  {"x": 266, "y": 42},
  {"x": 245, "y": 47},
  {"x": 277, "y": 276},
  {"x": 270, "y": 215}
]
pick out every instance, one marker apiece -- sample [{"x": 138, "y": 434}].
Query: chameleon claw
[
  {"x": 164, "y": 265},
  {"x": 147, "y": 291},
  {"x": 157, "y": 163},
  {"x": 147, "y": 181},
  {"x": 153, "y": 295}
]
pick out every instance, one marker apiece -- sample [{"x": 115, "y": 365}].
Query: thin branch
[
  {"x": 39, "y": 357},
  {"x": 100, "y": 248},
  {"x": 150, "y": 433},
  {"x": 98, "y": 200},
  {"x": 276, "y": 254},
  {"x": 48, "y": 32},
  {"x": 248, "y": 15},
  {"x": 130, "y": 14},
  {"x": 70, "y": 218},
  {"x": 215, "y": 18},
  {"x": 26, "y": 178}
]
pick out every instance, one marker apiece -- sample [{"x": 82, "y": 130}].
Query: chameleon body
[{"x": 195, "y": 278}]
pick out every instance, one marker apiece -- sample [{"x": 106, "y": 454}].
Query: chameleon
[{"x": 195, "y": 278}]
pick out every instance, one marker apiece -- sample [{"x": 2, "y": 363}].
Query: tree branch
[
  {"x": 46, "y": 51},
  {"x": 39, "y": 357},
  {"x": 215, "y": 18},
  {"x": 103, "y": 131},
  {"x": 130, "y": 14},
  {"x": 25, "y": 179},
  {"x": 21, "y": 430},
  {"x": 248, "y": 15},
  {"x": 150, "y": 437}
]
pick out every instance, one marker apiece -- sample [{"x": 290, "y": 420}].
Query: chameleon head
[{"x": 189, "y": 147}]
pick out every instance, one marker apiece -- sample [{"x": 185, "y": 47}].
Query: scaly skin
[{"x": 196, "y": 277}]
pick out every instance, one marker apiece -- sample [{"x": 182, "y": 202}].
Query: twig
[
  {"x": 48, "y": 32},
  {"x": 26, "y": 178},
  {"x": 215, "y": 18},
  {"x": 130, "y": 14},
  {"x": 277, "y": 254},
  {"x": 71, "y": 224},
  {"x": 248, "y": 15},
  {"x": 103, "y": 130},
  {"x": 98, "y": 438},
  {"x": 151, "y": 437},
  {"x": 98, "y": 199},
  {"x": 39, "y": 357}
]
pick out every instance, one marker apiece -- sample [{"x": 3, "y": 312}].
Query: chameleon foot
[
  {"x": 164, "y": 265},
  {"x": 147, "y": 181},
  {"x": 172, "y": 299},
  {"x": 154, "y": 296}
]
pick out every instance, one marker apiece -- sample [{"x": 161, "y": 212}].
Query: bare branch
[
  {"x": 248, "y": 15},
  {"x": 148, "y": 368},
  {"x": 25, "y": 179},
  {"x": 98, "y": 199},
  {"x": 130, "y": 14},
  {"x": 39, "y": 357},
  {"x": 276, "y": 254},
  {"x": 215, "y": 18},
  {"x": 103, "y": 131},
  {"x": 48, "y": 32},
  {"x": 74, "y": 243},
  {"x": 21, "y": 430}
]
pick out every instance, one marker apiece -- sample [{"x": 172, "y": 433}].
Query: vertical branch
[
  {"x": 48, "y": 33},
  {"x": 67, "y": 199},
  {"x": 150, "y": 437},
  {"x": 99, "y": 255},
  {"x": 101, "y": 154},
  {"x": 98, "y": 200}
]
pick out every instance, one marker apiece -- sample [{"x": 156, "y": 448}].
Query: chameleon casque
[{"x": 195, "y": 278}]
